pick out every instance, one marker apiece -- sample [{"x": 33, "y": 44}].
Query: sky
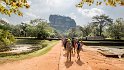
[{"x": 82, "y": 16}]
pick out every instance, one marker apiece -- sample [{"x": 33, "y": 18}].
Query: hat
[{"x": 69, "y": 40}]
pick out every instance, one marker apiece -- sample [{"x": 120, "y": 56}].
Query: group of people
[{"x": 72, "y": 46}]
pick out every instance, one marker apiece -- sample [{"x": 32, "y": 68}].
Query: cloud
[
  {"x": 60, "y": 3},
  {"x": 72, "y": 15},
  {"x": 29, "y": 14},
  {"x": 91, "y": 12}
]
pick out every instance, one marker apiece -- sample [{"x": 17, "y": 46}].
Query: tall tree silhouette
[{"x": 101, "y": 21}]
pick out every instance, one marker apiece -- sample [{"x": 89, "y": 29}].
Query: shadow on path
[
  {"x": 79, "y": 62},
  {"x": 73, "y": 55},
  {"x": 65, "y": 55},
  {"x": 68, "y": 64}
]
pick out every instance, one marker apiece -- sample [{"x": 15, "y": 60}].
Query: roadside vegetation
[
  {"x": 103, "y": 26},
  {"x": 36, "y": 30},
  {"x": 43, "y": 46}
]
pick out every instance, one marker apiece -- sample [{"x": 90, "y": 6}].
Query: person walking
[
  {"x": 69, "y": 49},
  {"x": 73, "y": 45},
  {"x": 79, "y": 48},
  {"x": 65, "y": 42}
]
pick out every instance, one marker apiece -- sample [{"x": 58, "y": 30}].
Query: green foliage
[
  {"x": 31, "y": 31},
  {"x": 27, "y": 41},
  {"x": 6, "y": 38},
  {"x": 87, "y": 30},
  {"x": 104, "y": 26},
  {"x": 35, "y": 28},
  {"x": 74, "y": 32},
  {"x": 43, "y": 30},
  {"x": 55, "y": 34},
  {"x": 16, "y": 30},
  {"x": 40, "y": 28},
  {"x": 4, "y": 25},
  {"x": 112, "y": 3},
  {"x": 117, "y": 29},
  {"x": 8, "y": 7},
  {"x": 99, "y": 22}
]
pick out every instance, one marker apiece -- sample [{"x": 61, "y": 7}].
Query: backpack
[
  {"x": 70, "y": 46},
  {"x": 78, "y": 47},
  {"x": 72, "y": 42}
]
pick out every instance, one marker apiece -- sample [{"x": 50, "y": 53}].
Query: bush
[
  {"x": 44, "y": 45},
  {"x": 6, "y": 38}
]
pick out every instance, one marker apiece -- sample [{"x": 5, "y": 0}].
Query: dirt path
[
  {"x": 56, "y": 60},
  {"x": 99, "y": 62},
  {"x": 90, "y": 60},
  {"x": 48, "y": 61},
  {"x": 74, "y": 64}
]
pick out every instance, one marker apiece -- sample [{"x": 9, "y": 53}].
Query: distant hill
[{"x": 61, "y": 23}]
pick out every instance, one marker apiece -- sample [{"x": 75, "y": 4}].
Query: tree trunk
[{"x": 100, "y": 27}]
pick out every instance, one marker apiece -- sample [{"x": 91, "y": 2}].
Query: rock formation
[{"x": 61, "y": 23}]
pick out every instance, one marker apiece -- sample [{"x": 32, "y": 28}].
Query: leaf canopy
[
  {"x": 113, "y": 3},
  {"x": 8, "y": 7}
]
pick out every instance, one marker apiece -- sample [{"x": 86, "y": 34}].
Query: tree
[
  {"x": 117, "y": 29},
  {"x": 19, "y": 30},
  {"x": 31, "y": 30},
  {"x": 6, "y": 38},
  {"x": 101, "y": 21},
  {"x": 16, "y": 30},
  {"x": 74, "y": 32},
  {"x": 35, "y": 28},
  {"x": 86, "y": 30},
  {"x": 36, "y": 21},
  {"x": 55, "y": 34},
  {"x": 8, "y": 7},
  {"x": 43, "y": 30},
  {"x": 82, "y": 29},
  {"x": 113, "y": 3},
  {"x": 23, "y": 27},
  {"x": 4, "y": 25}
]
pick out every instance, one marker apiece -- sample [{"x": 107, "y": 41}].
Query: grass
[
  {"x": 29, "y": 55},
  {"x": 25, "y": 37},
  {"x": 28, "y": 41},
  {"x": 103, "y": 41},
  {"x": 91, "y": 41}
]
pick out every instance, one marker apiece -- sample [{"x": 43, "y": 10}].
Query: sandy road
[
  {"x": 55, "y": 59},
  {"x": 48, "y": 61}
]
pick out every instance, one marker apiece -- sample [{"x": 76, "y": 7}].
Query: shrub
[{"x": 6, "y": 38}]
